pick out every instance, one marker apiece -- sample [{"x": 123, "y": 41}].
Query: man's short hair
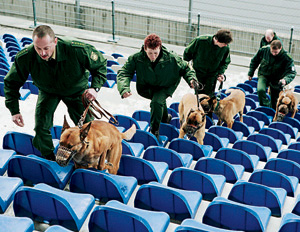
[
  {"x": 43, "y": 30},
  {"x": 152, "y": 41},
  {"x": 276, "y": 44},
  {"x": 224, "y": 36}
]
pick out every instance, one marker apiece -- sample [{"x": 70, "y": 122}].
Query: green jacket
[
  {"x": 263, "y": 41},
  {"x": 208, "y": 59},
  {"x": 274, "y": 68},
  {"x": 75, "y": 61},
  {"x": 166, "y": 75}
]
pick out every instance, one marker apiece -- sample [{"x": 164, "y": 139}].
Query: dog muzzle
[
  {"x": 64, "y": 155},
  {"x": 280, "y": 116},
  {"x": 191, "y": 130}
]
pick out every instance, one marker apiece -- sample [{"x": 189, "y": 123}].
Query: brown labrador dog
[
  {"x": 286, "y": 103},
  {"x": 97, "y": 145},
  {"x": 226, "y": 108},
  {"x": 192, "y": 119}
]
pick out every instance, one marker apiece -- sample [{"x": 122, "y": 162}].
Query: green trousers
[
  {"x": 209, "y": 83},
  {"x": 262, "y": 85},
  {"x": 44, "y": 112},
  {"x": 158, "y": 107}
]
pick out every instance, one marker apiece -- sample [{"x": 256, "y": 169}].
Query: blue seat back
[
  {"x": 250, "y": 147},
  {"x": 260, "y": 116},
  {"x": 251, "y": 121},
  {"x": 285, "y": 166},
  {"x": 144, "y": 137},
  {"x": 224, "y": 132},
  {"x": 245, "y": 87},
  {"x": 141, "y": 115},
  {"x": 267, "y": 110},
  {"x": 264, "y": 140},
  {"x": 126, "y": 121},
  {"x": 168, "y": 130},
  {"x": 174, "y": 106}
]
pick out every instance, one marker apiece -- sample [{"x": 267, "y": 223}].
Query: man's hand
[
  {"x": 282, "y": 82},
  {"x": 91, "y": 94},
  {"x": 221, "y": 78},
  {"x": 250, "y": 78},
  {"x": 192, "y": 84},
  {"x": 18, "y": 120},
  {"x": 126, "y": 94}
]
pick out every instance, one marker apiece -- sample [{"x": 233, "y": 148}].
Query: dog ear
[
  {"x": 84, "y": 132},
  {"x": 65, "y": 125}
]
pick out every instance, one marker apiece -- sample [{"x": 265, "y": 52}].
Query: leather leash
[{"x": 94, "y": 107}]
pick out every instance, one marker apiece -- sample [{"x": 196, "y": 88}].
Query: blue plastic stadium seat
[
  {"x": 253, "y": 122},
  {"x": 56, "y": 131},
  {"x": 290, "y": 154},
  {"x": 29, "y": 85},
  {"x": 127, "y": 122},
  {"x": 115, "y": 216},
  {"x": 224, "y": 132},
  {"x": 174, "y": 106},
  {"x": 209, "y": 185},
  {"x": 191, "y": 147},
  {"x": 191, "y": 225},
  {"x": 47, "y": 204},
  {"x": 250, "y": 102},
  {"x": 173, "y": 112},
  {"x": 179, "y": 204},
  {"x": 246, "y": 109},
  {"x": 143, "y": 170},
  {"x": 142, "y": 115},
  {"x": 57, "y": 228},
  {"x": 231, "y": 215},
  {"x": 232, "y": 172},
  {"x": 209, "y": 122},
  {"x": 168, "y": 130},
  {"x": 148, "y": 139},
  {"x": 253, "y": 148},
  {"x": 276, "y": 134},
  {"x": 285, "y": 166},
  {"x": 295, "y": 146},
  {"x": 21, "y": 143},
  {"x": 111, "y": 62},
  {"x": 13, "y": 224},
  {"x": 246, "y": 87},
  {"x": 112, "y": 77},
  {"x": 290, "y": 222},
  {"x": 9, "y": 186},
  {"x": 215, "y": 141},
  {"x": 175, "y": 122},
  {"x": 169, "y": 156},
  {"x": 267, "y": 141},
  {"x": 267, "y": 110},
  {"x": 285, "y": 128},
  {"x": 292, "y": 121},
  {"x": 103, "y": 186},
  {"x": 296, "y": 209},
  {"x": 250, "y": 193},
  {"x": 253, "y": 83},
  {"x": 242, "y": 127},
  {"x": 5, "y": 156},
  {"x": 275, "y": 179},
  {"x": 110, "y": 70},
  {"x": 235, "y": 156},
  {"x": 134, "y": 149},
  {"x": 260, "y": 116},
  {"x": 253, "y": 96},
  {"x": 108, "y": 83},
  {"x": 33, "y": 170}
]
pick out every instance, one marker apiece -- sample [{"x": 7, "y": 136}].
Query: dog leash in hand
[
  {"x": 220, "y": 88},
  {"x": 198, "y": 86},
  {"x": 92, "y": 107}
]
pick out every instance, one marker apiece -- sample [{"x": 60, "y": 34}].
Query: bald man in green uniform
[
  {"x": 60, "y": 69},
  {"x": 158, "y": 72},
  {"x": 211, "y": 57}
]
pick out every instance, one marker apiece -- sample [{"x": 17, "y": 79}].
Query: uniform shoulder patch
[
  {"x": 78, "y": 44},
  {"x": 22, "y": 52},
  {"x": 94, "y": 56}
]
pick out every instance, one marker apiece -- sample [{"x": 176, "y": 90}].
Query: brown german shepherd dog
[
  {"x": 97, "y": 145},
  {"x": 286, "y": 103}
]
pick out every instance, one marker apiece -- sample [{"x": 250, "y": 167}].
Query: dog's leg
[
  {"x": 229, "y": 124},
  {"x": 219, "y": 122},
  {"x": 101, "y": 164},
  {"x": 241, "y": 116},
  {"x": 113, "y": 158},
  {"x": 181, "y": 131}
]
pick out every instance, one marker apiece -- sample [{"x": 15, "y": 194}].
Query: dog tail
[{"x": 129, "y": 133}]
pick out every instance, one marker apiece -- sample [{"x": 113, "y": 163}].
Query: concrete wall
[{"x": 173, "y": 31}]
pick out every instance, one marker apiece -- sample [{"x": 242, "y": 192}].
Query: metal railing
[{"x": 177, "y": 23}]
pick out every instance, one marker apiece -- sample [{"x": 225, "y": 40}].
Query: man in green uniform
[
  {"x": 158, "y": 74},
  {"x": 59, "y": 68},
  {"x": 276, "y": 70},
  {"x": 210, "y": 56},
  {"x": 267, "y": 39}
]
